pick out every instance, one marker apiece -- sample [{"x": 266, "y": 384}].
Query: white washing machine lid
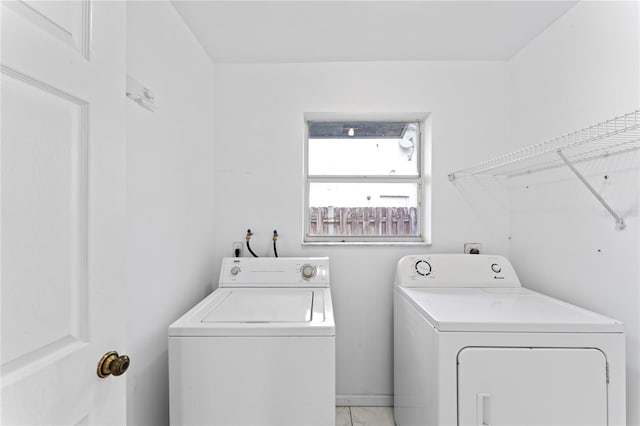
[
  {"x": 260, "y": 312},
  {"x": 504, "y": 310},
  {"x": 262, "y": 306}
]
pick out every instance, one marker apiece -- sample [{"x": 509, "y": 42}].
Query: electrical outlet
[
  {"x": 237, "y": 246},
  {"x": 472, "y": 248}
]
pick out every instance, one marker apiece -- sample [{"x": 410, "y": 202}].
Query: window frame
[{"x": 422, "y": 181}]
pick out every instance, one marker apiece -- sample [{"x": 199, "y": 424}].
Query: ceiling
[{"x": 353, "y": 30}]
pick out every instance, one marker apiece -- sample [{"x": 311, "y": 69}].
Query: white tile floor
[{"x": 364, "y": 416}]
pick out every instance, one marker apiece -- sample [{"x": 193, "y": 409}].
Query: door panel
[
  {"x": 532, "y": 386},
  {"x": 62, "y": 210},
  {"x": 67, "y": 21},
  {"x": 44, "y": 220}
]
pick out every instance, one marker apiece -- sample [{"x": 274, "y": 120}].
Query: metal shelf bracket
[{"x": 619, "y": 221}]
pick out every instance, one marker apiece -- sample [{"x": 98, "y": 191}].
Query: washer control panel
[
  {"x": 455, "y": 270},
  {"x": 274, "y": 272}
]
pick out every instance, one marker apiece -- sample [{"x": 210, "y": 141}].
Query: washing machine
[
  {"x": 474, "y": 347},
  {"x": 259, "y": 350}
]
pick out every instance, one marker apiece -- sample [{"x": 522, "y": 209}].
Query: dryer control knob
[
  {"x": 496, "y": 268},
  {"x": 423, "y": 268},
  {"x": 308, "y": 271},
  {"x": 235, "y": 270}
]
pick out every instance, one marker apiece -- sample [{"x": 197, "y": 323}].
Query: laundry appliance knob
[
  {"x": 308, "y": 271},
  {"x": 423, "y": 268}
]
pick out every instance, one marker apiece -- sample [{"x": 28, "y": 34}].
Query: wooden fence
[{"x": 346, "y": 221}]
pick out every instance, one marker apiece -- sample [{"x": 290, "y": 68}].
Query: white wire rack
[{"x": 613, "y": 136}]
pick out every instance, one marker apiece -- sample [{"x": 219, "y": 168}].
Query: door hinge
[{"x": 607, "y": 370}]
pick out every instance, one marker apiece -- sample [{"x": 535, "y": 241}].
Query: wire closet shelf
[{"x": 615, "y": 136}]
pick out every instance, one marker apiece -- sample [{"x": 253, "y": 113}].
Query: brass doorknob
[{"x": 112, "y": 363}]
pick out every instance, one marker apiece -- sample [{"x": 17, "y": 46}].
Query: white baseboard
[{"x": 364, "y": 400}]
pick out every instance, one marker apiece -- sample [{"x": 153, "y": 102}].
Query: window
[{"x": 365, "y": 181}]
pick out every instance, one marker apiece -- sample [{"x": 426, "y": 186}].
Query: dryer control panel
[
  {"x": 455, "y": 270},
  {"x": 274, "y": 272}
]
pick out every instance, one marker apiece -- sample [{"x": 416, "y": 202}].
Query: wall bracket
[{"x": 619, "y": 221}]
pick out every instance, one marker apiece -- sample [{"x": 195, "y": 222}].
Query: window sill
[{"x": 368, "y": 243}]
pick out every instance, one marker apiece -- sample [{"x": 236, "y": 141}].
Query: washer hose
[
  {"x": 249, "y": 234},
  {"x": 275, "y": 238}
]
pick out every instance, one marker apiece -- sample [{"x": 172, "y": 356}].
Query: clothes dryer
[
  {"x": 473, "y": 347},
  {"x": 259, "y": 350}
]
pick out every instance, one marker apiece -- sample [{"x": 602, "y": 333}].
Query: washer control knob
[
  {"x": 235, "y": 270},
  {"x": 308, "y": 271},
  {"x": 423, "y": 268},
  {"x": 496, "y": 268}
]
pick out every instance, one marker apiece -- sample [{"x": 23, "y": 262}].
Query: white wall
[
  {"x": 170, "y": 196},
  {"x": 259, "y": 139},
  {"x": 582, "y": 70}
]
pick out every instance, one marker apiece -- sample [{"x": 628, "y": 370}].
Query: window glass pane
[
  {"x": 363, "y": 209},
  {"x": 371, "y": 150}
]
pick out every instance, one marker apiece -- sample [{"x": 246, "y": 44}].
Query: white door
[
  {"x": 62, "y": 204},
  {"x": 532, "y": 386}
]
